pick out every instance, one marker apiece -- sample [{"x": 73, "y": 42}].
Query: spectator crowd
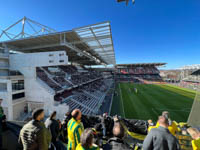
[{"x": 108, "y": 134}]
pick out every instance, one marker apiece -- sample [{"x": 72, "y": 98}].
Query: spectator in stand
[
  {"x": 60, "y": 124},
  {"x": 53, "y": 125},
  {"x": 117, "y": 142},
  {"x": 103, "y": 123},
  {"x": 34, "y": 135},
  {"x": 173, "y": 129},
  {"x": 2, "y": 120},
  {"x": 87, "y": 138},
  {"x": 195, "y": 134},
  {"x": 67, "y": 117},
  {"x": 74, "y": 129},
  {"x": 160, "y": 138}
]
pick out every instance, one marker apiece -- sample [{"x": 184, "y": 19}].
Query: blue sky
[{"x": 149, "y": 31}]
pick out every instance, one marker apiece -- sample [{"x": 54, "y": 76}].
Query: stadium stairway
[
  {"x": 50, "y": 77},
  {"x": 81, "y": 104},
  {"x": 45, "y": 86},
  {"x": 92, "y": 95}
]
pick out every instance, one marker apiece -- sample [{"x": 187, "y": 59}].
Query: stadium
[
  {"x": 77, "y": 69},
  {"x": 153, "y": 94}
]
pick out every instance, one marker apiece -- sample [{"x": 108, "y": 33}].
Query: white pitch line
[{"x": 122, "y": 100}]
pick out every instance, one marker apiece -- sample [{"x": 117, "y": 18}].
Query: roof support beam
[
  {"x": 97, "y": 47},
  {"x": 69, "y": 45},
  {"x": 90, "y": 39},
  {"x": 91, "y": 29}
]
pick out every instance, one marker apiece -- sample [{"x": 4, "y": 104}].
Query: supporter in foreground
[
  {"x": 160, "y": 138},
  {"x": 117, "y": 142},
  {"x": 173, "y": 129},
  {"x": 195, "y": 134},
  {"x": 75, "y": 129},
  {"x": 34, "y": 135},
  {"x": 87, "y": 138},
  {"x": 52, "y": 124}
]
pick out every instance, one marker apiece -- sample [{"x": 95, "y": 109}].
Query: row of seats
[
  {"x": 134, "y": 78},
  {"x": 89, "y": 97},
  {"x": 140, "y": 70},
  {"x": 73, "y": 105},
  {"x": 91, "y": 102},
  {"x": 44, "y": 77},
  {"x": 63, "y": 95},
  {"x": 81, "y": 77},
  {"x": 97, "y": 88},
  {"x": 64, "y": 77},
  {"x": 62, "y": 81},
  {"x": 69, "y": 69}
]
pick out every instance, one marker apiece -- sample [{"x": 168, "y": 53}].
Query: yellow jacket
[
  {"x": 75, "y": 129},
  {"x": 196, "y": 144},
  {"x": 79, "y": 147},
  {"x": 172, "y": 128}
]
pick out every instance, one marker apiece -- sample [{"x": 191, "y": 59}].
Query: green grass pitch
[{"x": 151, "y": 100}]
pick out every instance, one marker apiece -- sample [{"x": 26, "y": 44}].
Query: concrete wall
[
  {"x": 26, "y": 60},
  {"x": 34, "y": 92},
  {"x": 18, "y": 108}
]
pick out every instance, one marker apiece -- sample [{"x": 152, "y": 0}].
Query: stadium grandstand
[
  {"x": 190, "y": 76},
  {"x": 142, "y": 72},
  {"x": 76, "y": 69},
  {"x": 54, "y": 68}
]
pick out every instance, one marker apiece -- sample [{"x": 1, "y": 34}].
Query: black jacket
[
  {"x": 117, "y": 144},
  {"x": 53, "y": 126}
]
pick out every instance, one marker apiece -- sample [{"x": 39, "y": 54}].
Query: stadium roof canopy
[
  {"x": 197, "y": 72},
  {"x": 88, "y": 45},
  {"x": 141, "y": 64}
]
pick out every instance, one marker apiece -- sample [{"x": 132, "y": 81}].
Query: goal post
[{"x": 194, "y": 119}]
